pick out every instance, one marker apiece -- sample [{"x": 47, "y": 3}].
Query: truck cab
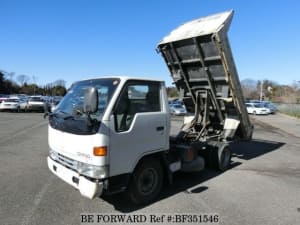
[{"x": 103, "y": 128}]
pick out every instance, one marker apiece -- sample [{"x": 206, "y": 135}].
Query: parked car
[
  {"x": 270, "y": 106},
  {"x": 54, "y": 102},
  {"x": 257, "y": 109},
  {"x": 2, "y": 99},
  {"x": 254, "y": 101},
  {"x": 36, "y": 103},
  {"x": 177, "y": 109},
  {"x": 12, "y": 104}
]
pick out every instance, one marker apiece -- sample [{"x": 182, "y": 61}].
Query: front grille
[{"x": 72, "y": 164}]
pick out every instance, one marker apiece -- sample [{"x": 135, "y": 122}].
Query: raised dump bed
[{"x": 200, "y": 61}]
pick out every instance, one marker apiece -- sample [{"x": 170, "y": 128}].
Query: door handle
[{"x": 160, "y": 128}]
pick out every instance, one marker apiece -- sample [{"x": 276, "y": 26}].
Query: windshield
[
  {"x": 258, "y": 105},
  {"x": 35, "y": 99},
  {"x": 177, "y": 106},
  {"x": 72, "y": 103},
  {"x": 11, "y": 100}
]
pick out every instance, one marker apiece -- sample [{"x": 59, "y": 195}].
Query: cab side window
[{"x": 136, "y": 97}]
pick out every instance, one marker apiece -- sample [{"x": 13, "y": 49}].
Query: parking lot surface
[
  {"x": 261, "y": 187},
  {"x": 288, "y": 124}
]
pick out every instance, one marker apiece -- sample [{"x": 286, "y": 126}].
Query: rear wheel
[
  {"x": 146, "y": 182},
  {"x": 220, "y": 156}
]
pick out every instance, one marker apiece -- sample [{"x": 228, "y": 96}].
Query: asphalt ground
[
  {"x": 288, "y": 124},
  {"x": 261, "y": 187}
]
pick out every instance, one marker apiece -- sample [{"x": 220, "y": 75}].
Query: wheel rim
[{"x": 147, "y": 181}]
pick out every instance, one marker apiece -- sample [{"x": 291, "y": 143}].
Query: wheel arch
[{"x": 158, "y": 156}]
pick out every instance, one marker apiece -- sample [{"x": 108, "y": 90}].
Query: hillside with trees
[
  {"x": 264, "y": 90},
  {"x": 24, "y": 84},
  {"x": 271, "y": 90},
  {"x": 10, "y": 83}
]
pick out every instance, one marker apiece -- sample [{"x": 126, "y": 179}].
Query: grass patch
[{"x": 290, "y": 109}]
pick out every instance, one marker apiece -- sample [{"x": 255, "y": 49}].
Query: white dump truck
[{"x": 111, "y": 134}]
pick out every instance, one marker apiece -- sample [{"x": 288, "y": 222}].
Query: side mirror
[{"x": 90, "y": 104}]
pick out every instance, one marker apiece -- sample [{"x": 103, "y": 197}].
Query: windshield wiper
[{"x": 67, "y": 115}]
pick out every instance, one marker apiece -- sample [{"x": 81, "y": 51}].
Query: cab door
[{"x": 138, "y": 125}]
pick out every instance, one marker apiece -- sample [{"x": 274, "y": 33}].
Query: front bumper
[
  {"x": 263, "y": 113},
  {"x": 9, "y": 107},
  {"x": 86, "y": 187},
  {"x": 179, "y": 113},
  {"x": 35, "y": 107}
]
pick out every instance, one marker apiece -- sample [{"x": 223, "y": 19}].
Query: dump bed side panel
[
  {"x": 235, "y": 86},
  {"x": 200, "y": 61}
]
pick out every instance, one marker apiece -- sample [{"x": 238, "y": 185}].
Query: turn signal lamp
[{"x": 100, "y": 151}]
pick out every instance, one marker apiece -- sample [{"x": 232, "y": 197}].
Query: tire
[
  {"x": 146, "y": 182},
  {"x": 220, "y": 156}
]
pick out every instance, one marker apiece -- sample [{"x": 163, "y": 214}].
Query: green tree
[
  {"x": 2, "y": 83},
  {"x": 172, "y": 92},
  {"x": 7, "y": 86}
]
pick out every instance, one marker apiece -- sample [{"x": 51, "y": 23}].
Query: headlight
[
  {"x": 91, "y": 170},
  {"x": 53, "y": 155}
]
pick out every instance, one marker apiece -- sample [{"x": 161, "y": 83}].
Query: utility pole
[
  {"x": 34, "y": 83},
  {"x": 261, "y": 90}
]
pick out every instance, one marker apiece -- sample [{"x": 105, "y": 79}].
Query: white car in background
[
  {"x": 36, "y": 103},
  {"x": 54, "y": 102},
  {"x": 257, "y": 109},
  {"x": 13, "y": 104},
  {"x": 2, "y": 99},
  {"x": 270, "y": 106},
  {"x": 177, "y": 109}
]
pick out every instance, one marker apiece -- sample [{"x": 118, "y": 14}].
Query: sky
[{"x": 79, "y": 39}]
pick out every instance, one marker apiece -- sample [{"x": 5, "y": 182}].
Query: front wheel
[{"x": 146, "y": 182}]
